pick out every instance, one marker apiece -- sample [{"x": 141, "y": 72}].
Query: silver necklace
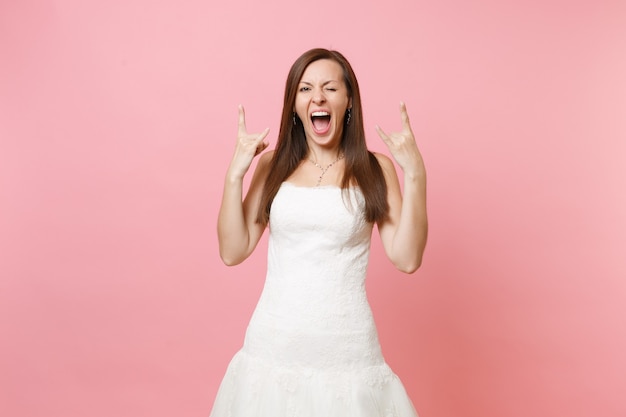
[{"x": 319, "y": 180}]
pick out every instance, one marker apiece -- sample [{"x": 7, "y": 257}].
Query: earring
[
  {"x": 294, "y": 118},
  {"x": 348, "y": 116}
]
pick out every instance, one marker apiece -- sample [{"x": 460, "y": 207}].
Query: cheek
[
  {"x": 301, "y": 109},
  {"x": 298, "y": 105}
]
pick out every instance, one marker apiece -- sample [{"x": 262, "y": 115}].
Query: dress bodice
[{"x": 318, "y": 234}]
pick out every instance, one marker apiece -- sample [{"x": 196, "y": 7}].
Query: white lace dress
[{"x": 311, "y": 348}]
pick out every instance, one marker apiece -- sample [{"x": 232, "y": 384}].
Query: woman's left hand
[{"x": 403, "y": 147}]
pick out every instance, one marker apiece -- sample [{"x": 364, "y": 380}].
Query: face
[{"x": 321, "y": 101}]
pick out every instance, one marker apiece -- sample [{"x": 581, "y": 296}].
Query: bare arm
[
  {"x": 237, "y": 231},
  {"x": 404, "y": 234}
]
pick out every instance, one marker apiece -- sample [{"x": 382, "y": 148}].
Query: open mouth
[{"x": 320, "y": 121}]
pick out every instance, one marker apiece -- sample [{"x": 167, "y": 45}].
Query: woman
[{"x": 311, "y": 348}]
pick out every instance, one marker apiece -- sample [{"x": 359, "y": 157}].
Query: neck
[{"x": 323, "y": 156}]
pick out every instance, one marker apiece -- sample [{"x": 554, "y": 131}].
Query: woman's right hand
[{"x": 248, "y": 146}]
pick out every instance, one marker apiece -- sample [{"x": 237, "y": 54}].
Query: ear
[{"x": 350, "y": 103}]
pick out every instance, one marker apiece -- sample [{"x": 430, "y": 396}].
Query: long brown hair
[{"x": 361, "y": 166}]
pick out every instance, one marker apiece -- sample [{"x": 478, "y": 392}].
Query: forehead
[{"x": 323, "y": 70}]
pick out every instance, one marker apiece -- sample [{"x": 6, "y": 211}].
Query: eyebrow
[{"x": 324, "y": 83}]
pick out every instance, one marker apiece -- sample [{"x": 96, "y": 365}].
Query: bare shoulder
[
  {"x": 383, "y": 160},
  {"x": 263, "y": 165},
  {"x": 266, "y": 157},
  {"x": 389, "y": 171},
  {"x": 386, "y": 164}
]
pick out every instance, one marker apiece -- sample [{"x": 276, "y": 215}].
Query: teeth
[{"x": 320, "y": 114}]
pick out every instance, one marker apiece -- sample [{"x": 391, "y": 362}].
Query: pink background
[{"x": 118, "y": 119}]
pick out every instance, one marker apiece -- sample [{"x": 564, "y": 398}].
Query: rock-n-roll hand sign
[
  {"x": 402, "y": 145},
  {"x": 248, "y": 146}
]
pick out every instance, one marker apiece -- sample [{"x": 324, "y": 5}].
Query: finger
[
  {"x": 259, "y": 142},
  {"x": 404, "y": 115},
  {"x": 263, "y": 134},
  {"x": 242, "y": 121},
  {"x": 382, "y": 134}
]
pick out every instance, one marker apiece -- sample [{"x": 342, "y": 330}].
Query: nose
[{"x": 318, "y": 96}]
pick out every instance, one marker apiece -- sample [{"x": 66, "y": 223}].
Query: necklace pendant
[{"x": 319, "y": 180}]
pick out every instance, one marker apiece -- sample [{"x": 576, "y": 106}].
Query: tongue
[{"x": 321, "y": 123}]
